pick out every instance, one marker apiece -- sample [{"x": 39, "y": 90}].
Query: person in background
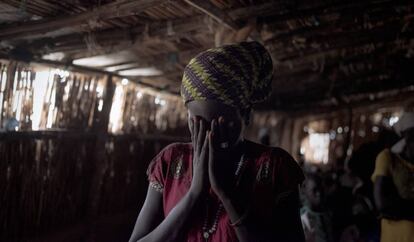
[
  {"x": 365, "y": 225},
  {"x": 222, "y": 187},
  {"x": 362, "y": 162},
  {"x": 316, "y": 218},
  {"x": 339, "y": 200},
  {"x": 393, "y": 179},
  {"x": 10, "y": 124}
]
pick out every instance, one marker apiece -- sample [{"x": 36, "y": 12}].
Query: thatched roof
[{"x": 326, "y": 53}]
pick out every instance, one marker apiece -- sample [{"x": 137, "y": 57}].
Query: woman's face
[{"x": 233, "y": 125}]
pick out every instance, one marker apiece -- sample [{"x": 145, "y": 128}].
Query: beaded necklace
[{"x": 207, "y": 232}]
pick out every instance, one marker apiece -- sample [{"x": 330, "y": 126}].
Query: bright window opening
[{"x": 315, "y": 148}]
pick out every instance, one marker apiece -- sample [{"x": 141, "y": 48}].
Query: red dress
[{"x": 268, "y": 177}]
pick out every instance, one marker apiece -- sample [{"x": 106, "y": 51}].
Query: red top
[{"x": 268, "y": 177}]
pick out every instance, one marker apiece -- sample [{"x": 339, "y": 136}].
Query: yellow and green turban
[{"x": 238, "y": 75}]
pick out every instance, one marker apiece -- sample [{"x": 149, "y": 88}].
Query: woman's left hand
[{"x": 220, "y": 176}]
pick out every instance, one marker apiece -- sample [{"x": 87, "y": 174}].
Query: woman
[
  {"x": 221, "y": 187},
  {"x": 393, "y": 179}
]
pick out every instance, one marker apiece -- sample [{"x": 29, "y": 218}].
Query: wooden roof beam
[
  {"x": 182, "y": 55},
  {"x": 351, "y": 7},
  {"x": 112, "y": 10},
  {"x": 345, "y": 40},
  {"x": 160, "y": 61},
  {"x": 216, "y": 13},
  {"x": 382, "y": 78},
  {"x": 90, "y": 70},
  {"x": 241, "y": 33},
  {"x": 114, "y": 40},
  {"x": 400, "y": 96},
  {"x": 354, "y": 57}
]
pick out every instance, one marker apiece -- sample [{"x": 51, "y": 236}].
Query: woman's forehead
[
  {"x": 211, "y": 109},
  {"x": 209, "y": 115}
]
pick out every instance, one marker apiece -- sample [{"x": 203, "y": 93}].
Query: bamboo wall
[
  {"x": 88, "y": 154},
  {"x": 75, "y": 101},
  {"x": 49, "y": 180}
]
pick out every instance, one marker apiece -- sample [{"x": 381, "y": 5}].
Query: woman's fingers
[
  {"x": 211, "y": 157},
  {"x": 214, "y": 131},
  {"x": 223, "y": 131},
  {"x": 210, "y": 145},
  {"x": 195, "y": 130},
  {"x": 201, "y": 135},
  {"x": 204, "y": 149},
  {"x": 191, "y": 126}
]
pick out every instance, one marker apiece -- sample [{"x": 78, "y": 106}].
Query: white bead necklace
[{"x": 207, "y": 232}]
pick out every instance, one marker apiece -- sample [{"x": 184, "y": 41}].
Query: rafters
[
  {"x": 117, "y": 39},
  {"x": 216, "y": 13},
  {"x": 318, "y": 47},
  {"x": 116, "y": 9}
]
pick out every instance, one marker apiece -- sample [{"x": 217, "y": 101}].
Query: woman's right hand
[{"x": 199, "y": 137}]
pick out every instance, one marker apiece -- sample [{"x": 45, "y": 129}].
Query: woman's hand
[
  {"x": 199, "y": 137},
  {"x": 221, "y": 174}
]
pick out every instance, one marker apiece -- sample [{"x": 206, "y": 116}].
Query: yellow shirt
[{"x": 393, "y": 230}]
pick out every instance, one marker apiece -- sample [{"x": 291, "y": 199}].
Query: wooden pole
[
  {"x": 216, "y": 13},
  {"x": 102, "y": 118},
  {"x": 100, "y": 164}
]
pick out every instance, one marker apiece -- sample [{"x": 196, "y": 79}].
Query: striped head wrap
[{"x": 238, "y": 75}]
